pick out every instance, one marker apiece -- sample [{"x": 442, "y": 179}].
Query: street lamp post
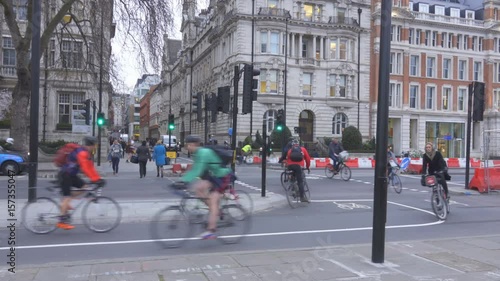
[
  {"x": 359, "y": 59},
  {"x": 283, "y": 141},
  {"x": 99, "y": 129},
  {"x": 253, "y": 47}
]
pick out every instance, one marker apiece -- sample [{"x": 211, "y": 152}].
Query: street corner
[
  {"x": 460, "y": 190},
  {"x": 269, "y": 202}
]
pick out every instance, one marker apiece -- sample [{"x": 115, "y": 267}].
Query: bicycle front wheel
[
  {"x": 345, "y": 173},
  {"x": 170, "y": 227},
  {"x": 284, "y": 180},
  {"x": 396, "y": 184},
  {"x": 307, "y": 192},
  {"x": 329, "y": 171},
  {"x": 41, "y": 216},
  {"x": 101, "y": 214},
  {"x": 439, "y": 205},
  {"x": 240, "y": 197},
  {"x": 234, "y": 223}
]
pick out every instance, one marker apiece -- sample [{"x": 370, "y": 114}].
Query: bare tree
[{"x": 145, "y": 22}]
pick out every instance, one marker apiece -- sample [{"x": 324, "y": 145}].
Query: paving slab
[
  {"x": 231, "y": 274},
  {"x": 19, "y": 274},
  {"x": 116, "y": 268},
  {"x": 142, "y": 276},
  {"x": 256, "y": 259},
  {"x": 169, "y": 276},
  {"x": 458, "y": 262},
  {"x": 76, "y": 273}
]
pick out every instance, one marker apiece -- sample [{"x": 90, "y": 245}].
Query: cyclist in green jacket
[{"x": 209, "y": 179}]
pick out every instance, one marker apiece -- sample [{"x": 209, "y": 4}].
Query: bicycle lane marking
[{"x": 252, "y": 235}]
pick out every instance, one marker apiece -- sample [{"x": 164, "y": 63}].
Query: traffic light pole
[
  {"x": 101, "y": 55},
  {"x": 264, "y": 158},
  {"x": 93, "y": 118},
  {"x": 205, "y": 97},
  {"x": 236, "y": 80}
]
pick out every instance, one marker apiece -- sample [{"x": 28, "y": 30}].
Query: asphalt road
[{"x": 341, "y": 213}]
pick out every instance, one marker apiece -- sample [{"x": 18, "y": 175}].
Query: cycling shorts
[
  {"x": 219, "y": 184},
  {"x": 68, "y": 181}
]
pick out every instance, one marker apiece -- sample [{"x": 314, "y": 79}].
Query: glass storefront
[{"x": 449, "y": 138}]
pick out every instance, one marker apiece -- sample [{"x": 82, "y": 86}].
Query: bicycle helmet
[
  {"x": 10, "y": 140},
  {"x": 295, "y": 142},
  {"x": 89, "y": 141},
  {"x": 193, "y": 139}
]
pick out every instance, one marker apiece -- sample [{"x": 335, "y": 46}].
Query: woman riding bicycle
[{"x": 434, "y": 163}]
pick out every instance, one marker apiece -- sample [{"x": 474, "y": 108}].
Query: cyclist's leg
[
  {"x": 202, "y": 188},
  {"x": 445, "y": 187},
  {"x": 66, "y": 183},
  {"x": 297, "y": 170}
]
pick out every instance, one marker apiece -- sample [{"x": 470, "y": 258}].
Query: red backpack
[{"x": 63, "y": 152}]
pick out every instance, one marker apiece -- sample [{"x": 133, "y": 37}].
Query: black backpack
[
  {"x": 296, "y": 154},
  {"x": 224, "y": 154}
]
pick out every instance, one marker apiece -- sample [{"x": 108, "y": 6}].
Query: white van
[{"x": 173, "y": 141}]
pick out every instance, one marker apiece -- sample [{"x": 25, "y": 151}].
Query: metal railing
[
  {"x": 266, "y": 11},
  {"x": 343, "y": 20}
]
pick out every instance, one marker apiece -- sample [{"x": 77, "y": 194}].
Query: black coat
[
  {"x": 435, "y": 165},
  {"x": 143, "y": 153}
]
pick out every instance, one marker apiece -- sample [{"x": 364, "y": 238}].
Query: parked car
[{"x": 13, "y": 161}]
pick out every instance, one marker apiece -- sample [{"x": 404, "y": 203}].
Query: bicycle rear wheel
[
  {"x": 307, "y": 192},
  {"x": 241, "y": 198},
  {"x": 41, "y": 216},
  {"x": 101, "y": 214},
  {"x": 234, "y": 223},
  {"x": 170, "y": 227},
  {"x": 284, "y": 179},
  {"x": 292, "y": 195},
  {"x": 329, "y": 172},
  {"x": 439, "y": 205},
  {"x": 345, "y": 173},
  {"x": 396, "y": 183}
]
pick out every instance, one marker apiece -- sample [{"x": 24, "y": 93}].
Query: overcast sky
[{"x": 129, "y": 68}]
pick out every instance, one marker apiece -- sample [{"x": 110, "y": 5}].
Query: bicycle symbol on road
[{"x": 351, "y": 206}]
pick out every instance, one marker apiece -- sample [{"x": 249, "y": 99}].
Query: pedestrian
[
  {"x": 130, "y": 150},
  {"x": 143, "y": 156},
  {"x": 115, "y": 153},
  {"x": 159, "y": 154},
  {"x": 124, "y": 147}
]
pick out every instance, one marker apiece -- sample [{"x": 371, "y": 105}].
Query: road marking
[
  {"x": 418, "y": 177},
  {"x": 264, "y": 234},
  {"x": 351, "y": 206}
]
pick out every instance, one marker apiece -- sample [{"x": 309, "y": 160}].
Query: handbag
[{"x": 134, "y": 159}]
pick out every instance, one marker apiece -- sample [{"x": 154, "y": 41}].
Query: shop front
[{"x": 447, "y": 137}]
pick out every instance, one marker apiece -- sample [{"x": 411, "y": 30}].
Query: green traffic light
[
  {"x": 100, "y": 122},
  {"x": 171, "y": 127},
  {"x": 279, "y": 128}
]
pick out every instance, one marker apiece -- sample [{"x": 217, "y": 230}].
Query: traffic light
[
  {"x": 171, "y": 123},
  {"x": 223, "y": 99},
  {"x": 101, "y": 121},
  {"x": 197, "y": 101},
  {"x": 87, "y": 113},
  {"x": 250, "y": 86},
  {"x": 212, "y": 107},
  {"x": 478, "y": 106},
  {"x": 278, "y": 124}
]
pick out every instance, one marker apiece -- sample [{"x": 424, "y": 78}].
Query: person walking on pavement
[
  {"x": 143, "y": 156},
  {"x": 159, "y": 153},
  {"x": 115, "y": 152}
]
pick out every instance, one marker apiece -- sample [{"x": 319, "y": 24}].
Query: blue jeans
[
  {"x": 115, "y": 161},
  {"x": 335, "y": 160}
]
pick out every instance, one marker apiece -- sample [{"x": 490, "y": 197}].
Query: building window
[
  {"x": 333, "y": 48},
  {"x": 414, "y": 65},
  {"x": 465, "y": 43},
  {"x": 67, "y": 103},
  {"x": 308, "y": 12},
  {"x": 434, "y": 38},
  {"x": 263, "y": 41},
  {"x": 431, "y": 65},
  {"x": 396, "y": 33},
  {"x": 21, "y": 9},
  {"x": 72, "y": 54},
  {"x": 480, "y": 47},
  {"x": 417, "y": 36},
  {"x": 496, "y": 99},
  {"x": 342, "y": 86},
  {"x": 474, "y": 43},
  {"x": 450, "y": 40},
  {"x": 429, "y": 97},
  {"x": 446, "y": 68},
  {"x": 478, "y": 71},
  {"x": 341, "y": 15},
  {"x": 395, "y": 95},
  {"x": 269, "y": 116},
  {"x": 460, "y": 38},
  {"x": 411, "y": 36},
  {"x": 269, "y": 77},
  {"x": 462, "y": 94},
  {"x": 462, "y": 70},
  {"x": 343, "y": 49},
  {"x": 272, "y": 3},
  {"x": 333, "y": 84},
  {"x": 496, "y": 71},
  {"x": 275, "y": 43},
  {"x": 396, "y": 62},
  {"x": 340, "y": 122},
  {"x": 414, "y": 96},
  {"x": 8, "y": 52},
  {"x": 446, "y": 99},
  {"x": 52, "y": 54},
  {"x": 304, "y": 48},
  {"x": 306, "y": 84}
]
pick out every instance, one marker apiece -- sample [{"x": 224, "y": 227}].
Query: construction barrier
[
  {"x": 480, "y": 183},
  {"x": 181, "y": 168}
]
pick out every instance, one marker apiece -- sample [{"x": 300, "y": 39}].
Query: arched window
[
  {"x": 340, "y": 121},
  {"x": 270, "y": 116}
]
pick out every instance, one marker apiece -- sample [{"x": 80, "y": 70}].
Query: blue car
[{"x": 12, "y": 161}]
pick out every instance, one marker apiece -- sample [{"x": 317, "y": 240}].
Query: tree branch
[
  {"x": 49, "y": 29},
  {"x": 10, "y": 18}
]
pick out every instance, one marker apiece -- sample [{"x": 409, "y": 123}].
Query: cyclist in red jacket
[{"x": 296, "y": 157}]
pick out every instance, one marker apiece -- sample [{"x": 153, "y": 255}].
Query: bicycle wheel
[
  {"x": 307, "y": 192},
  {"x": 329, "y": 173},
  {"x": 170, "y": 227},
  {"x": 234, "y": 223},
  {"x": 345, "y": 173},
  {"x": 396, "y": 183},
  {"x": 101, "y": 214},
  {"x": 241, "y": 198},
  {"x": 438, "y": 205},
  {"x": 284, "y": 180},
  {"x": 195, "y": 209},
  {"x": 292, "y": 195},
  {"x": 41, "y": 216}
]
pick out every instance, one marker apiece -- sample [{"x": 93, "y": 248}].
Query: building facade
[
  {"x": 70, "y": 66},
  {"x": 141, "y": 88},
  {"x": 326, "y": 85},
  {"x": 437, "y": 49}
]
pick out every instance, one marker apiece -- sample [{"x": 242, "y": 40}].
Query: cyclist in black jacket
[{"x": 434, "y": 163}]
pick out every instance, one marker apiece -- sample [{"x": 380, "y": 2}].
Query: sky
[{"x": 128, "y": 66}]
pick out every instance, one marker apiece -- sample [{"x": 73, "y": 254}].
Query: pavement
[{"x": 457, "y": 259}]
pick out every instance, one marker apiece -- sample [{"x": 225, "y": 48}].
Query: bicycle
[
  {"x": 47, "y": 211},
  {"x": 292, "y": 189},
  {"x": 343, "y": 169},
  {"x": 167, "y": 221},
  {"x": 394, "y": 180},
  {"x": 439, "y": 201}
]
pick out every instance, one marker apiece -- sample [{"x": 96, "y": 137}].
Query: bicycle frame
[{"x": 88, "y": 193}]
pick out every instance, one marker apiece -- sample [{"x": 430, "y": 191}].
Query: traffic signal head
[
  {"x": 87, "y": 112},
  {"x": 100, "y": 119},
  {"x": 279, "y": 121},
  {"x": 223, "y": 99},
  {"x": 197, "y": 101},
  {"x": 250, "y": 86},
  {"x": 171, "y": 122}
]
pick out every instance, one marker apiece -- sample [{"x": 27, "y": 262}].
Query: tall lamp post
[
  {"x": 99, "y": 129},
  {"x": 359, "y": 59},
  {"x": 253, "y": 47},
  {"x": 283, "y": 140}
]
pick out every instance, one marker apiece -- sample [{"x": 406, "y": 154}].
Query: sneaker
[
  {"x": 65, "y": 226},
  {"x": 304, "y": 200},
  {"x": 208, "y": 235}
]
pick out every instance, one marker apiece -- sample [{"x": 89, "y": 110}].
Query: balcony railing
[
  {"x": 8, "y": 71},
  {"x": 447, "y": 19},
  {"x": 266, "y": 11},
  {"x": 343, "y": 20},
  {"x": 310, "y": 61}
]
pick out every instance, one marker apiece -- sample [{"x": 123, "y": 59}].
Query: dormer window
[
  {"x": 469, "y": 14},
  {"x": 423, "y": 8},
  {"x": 438, "y": 10},
  {"x": 454, "y": 12}
]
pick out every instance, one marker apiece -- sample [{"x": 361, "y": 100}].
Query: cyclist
[
  {"x": 210, "y": 180},
  {"x": 390, "y": 156},
  {"x": 246, "y": 150},
  {"x": 79, "y": 159},
  {"x": 295, "y": 162},
  {"x": 434, "y": 163},
  {"x": 334, "y": 149}
]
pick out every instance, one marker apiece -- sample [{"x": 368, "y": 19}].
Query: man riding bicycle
[
  {"x": 334, "y": 149},
  {"x": 78, "y": 159},
  {"x": 433, "y": 162},
  {"x": 295, "y": 162},
  {"x": 390, "y": 156},
  {"x": 209, "y": 178}
]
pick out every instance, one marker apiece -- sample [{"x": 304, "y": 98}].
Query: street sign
[
  {"x": 230, "y": 131},
  {"x": 172, "y": 154},
  {"x": 405, "y": 163},
  {"x": 448, "y": 137}
]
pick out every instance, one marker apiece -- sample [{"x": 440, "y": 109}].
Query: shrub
[
  {"x": 64, "y": 127},
  {"x": 258, "y": 141},
  {"x": 5, "y": 124},
  {"x": 51, "y": 147},
  {"x": 369, "y": 145},
  {"x": 277, "y": 138},
  {"x": 351, "y": 139}
]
